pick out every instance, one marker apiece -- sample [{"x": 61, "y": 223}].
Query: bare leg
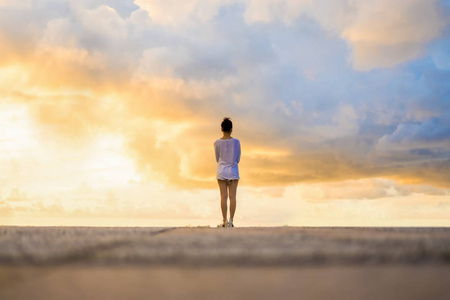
[
  {"x": 223, "y": 197},
  {"x": 233, "y": 189}
]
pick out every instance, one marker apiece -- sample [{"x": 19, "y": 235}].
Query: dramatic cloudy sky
[{"x": 109, "y": 110}]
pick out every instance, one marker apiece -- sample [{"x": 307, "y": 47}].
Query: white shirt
[{"x": 228, "y": 155}]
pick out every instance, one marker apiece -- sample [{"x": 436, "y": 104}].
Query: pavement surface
[{"x": 224, "y": 263}]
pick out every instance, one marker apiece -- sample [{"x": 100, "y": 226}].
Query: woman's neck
[{"x": 226, "y": 135}]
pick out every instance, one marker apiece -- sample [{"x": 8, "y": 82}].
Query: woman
[{"x": 228, "y": 155}]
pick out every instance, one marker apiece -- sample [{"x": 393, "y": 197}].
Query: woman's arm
[
  {"x": 238, "y": 151},
  {"x": 216, "y": 149}
]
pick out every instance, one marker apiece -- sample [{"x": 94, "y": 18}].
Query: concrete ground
[{"x": 224, "y": 263}]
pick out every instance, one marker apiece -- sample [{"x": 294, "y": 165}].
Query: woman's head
[{"x": 226, "y": 125}]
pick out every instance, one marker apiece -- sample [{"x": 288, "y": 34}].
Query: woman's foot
[
  {"x": 230, "y": 223},
  {"x": 224, "y": 223}
]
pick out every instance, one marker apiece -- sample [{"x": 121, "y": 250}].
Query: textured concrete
[
  {"x": 218, "y": 263},
  {"x": 280, "y": 246}
]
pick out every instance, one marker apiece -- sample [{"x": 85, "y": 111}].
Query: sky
[{"x": 109, "y": 110}]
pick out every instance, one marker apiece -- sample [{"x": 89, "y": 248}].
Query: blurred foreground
[{"x": 224, "y": 263}]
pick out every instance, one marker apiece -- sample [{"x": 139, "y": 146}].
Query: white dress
[{"x": 228, "y": 155}]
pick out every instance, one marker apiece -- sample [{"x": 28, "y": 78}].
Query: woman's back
[{"x": 228, "y": 155}]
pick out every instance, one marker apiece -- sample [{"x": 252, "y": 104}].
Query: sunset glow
[{"x": 109, "y": 110}]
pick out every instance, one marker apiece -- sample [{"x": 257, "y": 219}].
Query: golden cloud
[{"x": 386, "y": 33}]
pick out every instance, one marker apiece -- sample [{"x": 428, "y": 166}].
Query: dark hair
[{"x": 226, "y": 125}]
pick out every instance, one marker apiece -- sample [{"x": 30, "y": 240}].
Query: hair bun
[{"x": 226, "y": 125}]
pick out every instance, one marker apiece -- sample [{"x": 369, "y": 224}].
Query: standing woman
[{"x": 228, "y": 155}]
